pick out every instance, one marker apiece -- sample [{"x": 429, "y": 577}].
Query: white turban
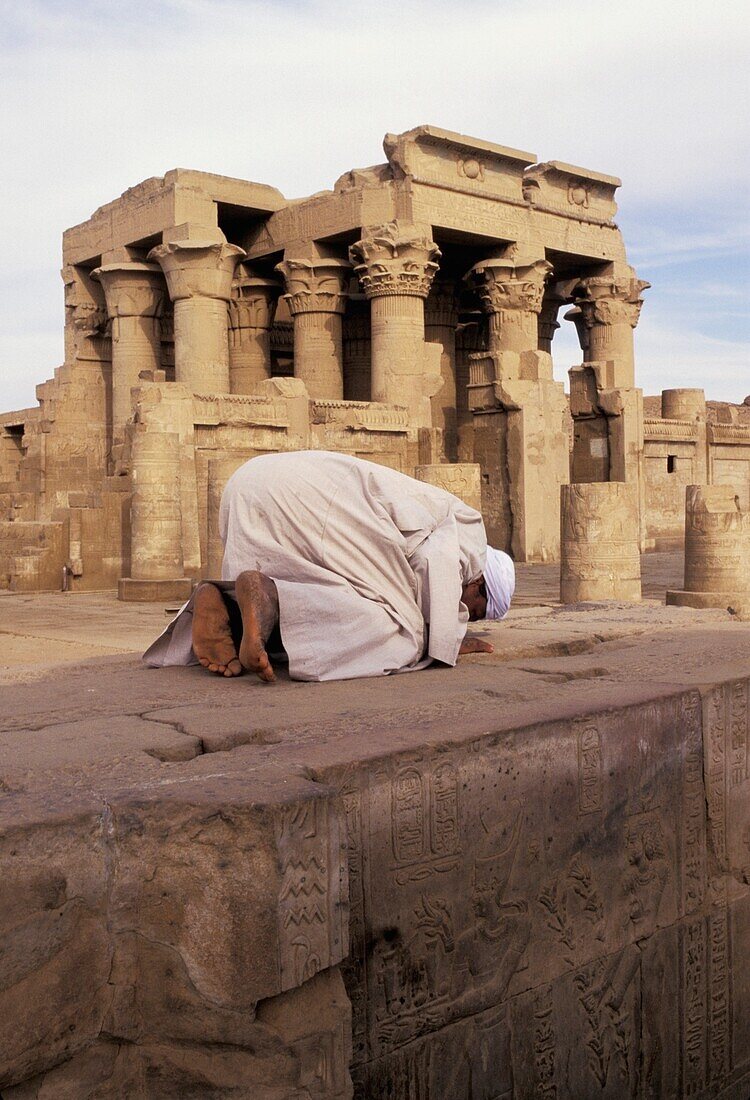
[{"x": 500, "y": 582}]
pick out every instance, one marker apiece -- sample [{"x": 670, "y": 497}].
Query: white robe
[{"x": 363, "y": 557}]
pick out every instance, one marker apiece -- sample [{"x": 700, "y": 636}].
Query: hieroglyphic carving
[
  {"x": 692, "y": 818},
  {"x": 545, "y": 1045},
  {"x": 719, "y": 998},
  {"x": 414, "y": 974},
  {"x": 575, "y": 911},
  {"x": 738, "y": 762},
  {"x": 715, "y": 768},
  {"x": 589, "y": 769},
  {"x": 693, "y": 968},
  {"x": 606, "y": 1022},
  {"x": 444, "y": 810},
  {"x": 354, "y": 967},
  {"x": 424, "y": 822},
  {"x": 304, "y": 932}
]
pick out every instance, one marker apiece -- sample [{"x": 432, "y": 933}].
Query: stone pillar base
[
  {"x": 131, "y": 590},
  {"x": 682, "y": 598}
]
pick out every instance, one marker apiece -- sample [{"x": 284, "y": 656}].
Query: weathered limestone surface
[
  {"x": 463, "y": 479},
  {"x": 387, "y": 277},
  {"x": 524, "y": 877},
  {"x": 717, "y": 549},
  {"x": 599, "y": 536}
]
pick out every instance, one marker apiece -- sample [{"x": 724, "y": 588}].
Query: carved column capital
[
  {"x": 503, "y": 283},
  {"x": 198, "y": 269},
  {"x": 315, "y": 286},
  {"x": 611, "y": 299},
  {"x": 253, "y": 301},
  {"x": 132, "y": 289},
  {"x": 395, "y": 260}
]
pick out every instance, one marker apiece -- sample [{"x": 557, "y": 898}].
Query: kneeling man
[{"x": 362, "y": 571}]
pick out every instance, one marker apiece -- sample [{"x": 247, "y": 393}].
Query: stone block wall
[
  {"x": 559, "y": 908},
  {"x": 33, "y": 555}
]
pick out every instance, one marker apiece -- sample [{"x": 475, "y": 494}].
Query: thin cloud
[{"x": 97, "y": 97}]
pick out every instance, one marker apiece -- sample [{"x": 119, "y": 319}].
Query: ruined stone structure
[
  {"x": 405, "y": 316},
  {"x": 521, "y": 879},
  {"x": 600, "y": 552}
]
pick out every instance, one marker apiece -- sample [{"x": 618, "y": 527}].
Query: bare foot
[
  {"x": 259, "y": 605},
  {"x": 475, "y": 645},
  {"x": 212, "y": 637}
]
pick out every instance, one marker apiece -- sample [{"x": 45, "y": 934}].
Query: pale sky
[{"x": 98, "y": 96}]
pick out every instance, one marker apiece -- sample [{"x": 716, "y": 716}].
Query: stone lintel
[
  {"x": 435, "y": 136},
  {"x": 569, "y": 190},
  {"x": 152, "y": 207}
]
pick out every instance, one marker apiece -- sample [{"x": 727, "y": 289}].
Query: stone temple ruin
[
  {"x": 406, "y": 316},
  {"x": 525, "y": 878}
]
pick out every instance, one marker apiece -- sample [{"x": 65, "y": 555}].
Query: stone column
[
  {"x": 511, "y": 290},
  {"x": 199, "y": 277},
  {"x": 396, "y": 264},
  {"x": 252, "y": 308},
  {"x": 610, "y": 305},
  {"x": 440, "y": 322},
  {"x": 520, "y": 421},
  {"x": 463, "y": 479},
  {"x": 156, "y": 564},
  {"x": 575, "y": 316},
  {"x": 717, "y": 550},
  {"x": 606, "y": 407},
  {"x": 135, "y": 294},
  {"x": 316, "y": 296},
  {"x": 548, "y": 322},
  {"x": 683, "y": 404},
  {"x": 600, "y": 553}
]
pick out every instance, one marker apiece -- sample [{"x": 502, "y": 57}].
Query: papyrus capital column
[
  {"x": 199, "y": 277},
  {"x": 520, "y": 436},
  {"x": 316, "y": 297},
  {"x": 134, "y": 293},
  {"x": 610, "y": 306},
  {"x": 511, "y": 290},
  {"x": 396, "y": 264},
  {"x": 252, "y": 308}
]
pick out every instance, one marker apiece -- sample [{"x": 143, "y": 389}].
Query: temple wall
[
  {"x": 678, "y": 453},
  {"x": 431, "y": 282},
  {"x": 518, "y": 907}
]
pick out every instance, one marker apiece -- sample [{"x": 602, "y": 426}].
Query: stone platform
[{"x": 525, "y": 877}]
